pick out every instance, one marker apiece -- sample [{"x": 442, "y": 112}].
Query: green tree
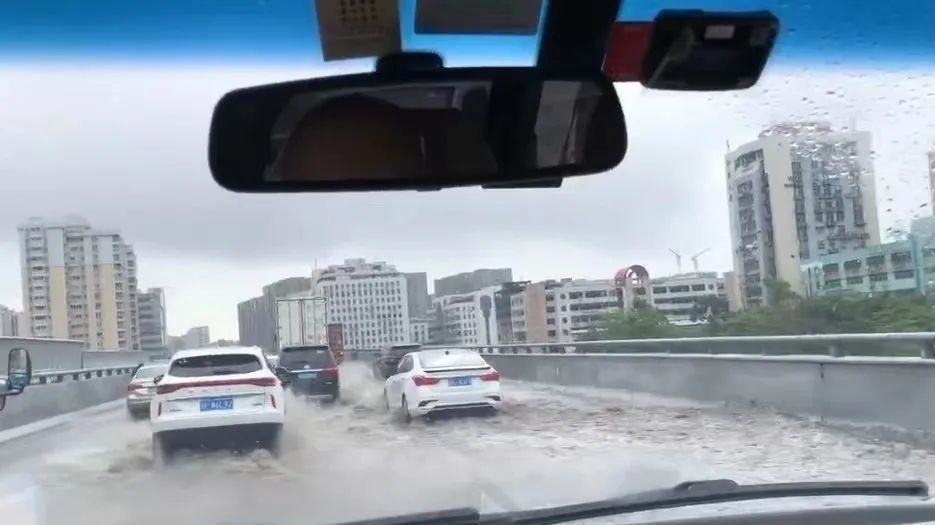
[{"x": 639, "y": 323}]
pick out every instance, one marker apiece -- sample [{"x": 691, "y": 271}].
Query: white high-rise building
[
  {"x": 369, "y": 300},
  {"x": 196, "y": 337},
  {"x": 9, "y": 322},
  {"x": 799, "y": 192},
  {"x": 152, "y": 316},
  {"x": 469, "y": 318},
  {"x": 79, "y": 283}
]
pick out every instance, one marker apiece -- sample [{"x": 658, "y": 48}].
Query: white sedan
[
  {"x": 431, "y": 381},
  {"x": 216, "y": 398}
]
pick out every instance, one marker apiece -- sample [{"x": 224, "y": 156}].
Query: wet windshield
[{"x": 749, "y": 295}]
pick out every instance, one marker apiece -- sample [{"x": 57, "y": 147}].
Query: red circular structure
[{"x": 632, "y": 275}]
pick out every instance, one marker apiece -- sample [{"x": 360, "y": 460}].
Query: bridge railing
[{"x": 906, "y": 344}]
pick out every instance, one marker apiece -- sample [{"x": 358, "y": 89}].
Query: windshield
[
  {"x": 749, "y": 295},
  {"x": 149, "y": 372},
  {"x": 311, "y": 356},
  {"x": 214, "y": 365}
]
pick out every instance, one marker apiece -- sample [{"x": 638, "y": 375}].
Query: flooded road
[{"x": 549, "y": 445}]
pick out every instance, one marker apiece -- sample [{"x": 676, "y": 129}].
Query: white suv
[
  {"x": 434, "y": 381},
  {"x": 216, "y": 398}
]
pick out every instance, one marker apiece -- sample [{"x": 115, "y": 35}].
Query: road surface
[{"x": 549, "y": 445}]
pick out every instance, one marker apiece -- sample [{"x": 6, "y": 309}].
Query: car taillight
[
  {"x": 424, "y": 381},
  {"x": 131, "y": 387},
  {"x": 258, "y": 381},
  {"x": 330, "y": 373},
  {"x": 493, "y": 375}
]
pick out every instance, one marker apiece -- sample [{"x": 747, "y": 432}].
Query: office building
[
  {"x": 9, "y": 322},
  {"x": 562, "y": 311},
  {"x": 152, "y": 316},
  {"x": 800, "y": 192},
  {"x": 503, "y": 300},
  {"x": 256, "y": 318},
  {"x": 197, "y": 337},
  {"x": 419, "y": 330},
  {"x": 684, "y": 298},
  {"x": 79, "y": 283},
  {"x": 472, "y": 281},
  {"x": 369, "y": 299},
  {"x": 417, "y": 288},
  {"x": 905, "y": 266},
  {"x": 468, "y": 319}
]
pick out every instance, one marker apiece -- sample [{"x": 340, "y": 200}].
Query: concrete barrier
[
  {"x": 44, "y": 401},
  {"x": 889, "y": 391},
  {"x": 91, "y": 359},
  {"x": 46, "y": 354}
]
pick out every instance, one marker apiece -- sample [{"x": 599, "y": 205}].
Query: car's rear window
[
  {"x": 451, "y": 359},
  {"x": 401, "y": 350},
  {"x": 313, "y": 356},
  {"x": 149, "y": 372},
  {"x": 214, "y": 365}
]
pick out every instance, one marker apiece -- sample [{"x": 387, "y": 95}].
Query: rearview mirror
[
  {"x": 19, "y": 370},
  {"x": 424, "y": 129},
  {"x": 18, "y": 374}
]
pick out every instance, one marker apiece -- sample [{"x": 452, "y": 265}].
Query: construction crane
[
  {"x": 695, "y": 257},
  {"x": 678, "y": 260}
]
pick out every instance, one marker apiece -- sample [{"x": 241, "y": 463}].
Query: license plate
[
  {"x": 308, "y": 375},
  {"x": 459, "y": 381},
  {"x": 217, "y": 403}
]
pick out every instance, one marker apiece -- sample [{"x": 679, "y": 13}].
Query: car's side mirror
[
  {"x": 18, "y": 375},
  {"x": 157, "y": 379}
]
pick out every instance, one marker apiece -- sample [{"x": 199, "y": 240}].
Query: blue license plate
[
  {"x": 459, "y": 381},
  {"x": 217, "y": 403},
  {"x": 308, "y": 375}
]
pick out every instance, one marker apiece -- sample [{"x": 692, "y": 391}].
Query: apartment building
[
  {"x": 680, "y": 297},
  {"x": 79, "y": 283},
  {"x": 152, "y": 317},
  {"x": 799, "y": 192},
  {"x": 369, "y": 299}
]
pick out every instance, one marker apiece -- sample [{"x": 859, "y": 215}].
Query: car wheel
[
  {"x": 162, "y": 453},
  {"x": 404, "y": 411}
]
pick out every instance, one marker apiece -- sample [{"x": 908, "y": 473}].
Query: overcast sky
[{"x": 125, "y": 147}]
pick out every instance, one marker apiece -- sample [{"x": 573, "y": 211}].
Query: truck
[{"x": 301, "y": 321}]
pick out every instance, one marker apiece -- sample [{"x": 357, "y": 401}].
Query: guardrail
[{"x": 919, "y": 344}]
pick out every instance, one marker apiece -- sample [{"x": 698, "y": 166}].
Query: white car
[
  {"x": 216, "y": 398},
  {"x": 431, "y": 381},
  {"x": 141, "y": 389}
]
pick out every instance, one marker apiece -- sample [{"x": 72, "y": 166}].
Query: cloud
[{"x": 125, "y": 147}]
